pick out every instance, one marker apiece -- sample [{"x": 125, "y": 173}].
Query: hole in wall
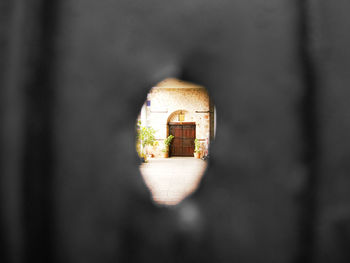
[{"x": 175, "y": 127}]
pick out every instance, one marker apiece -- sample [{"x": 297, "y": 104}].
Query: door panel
[
  {"x": 176, "y": 145},
  {"x": 183, "y": 142},
  {"x": 188, "y": 140}
]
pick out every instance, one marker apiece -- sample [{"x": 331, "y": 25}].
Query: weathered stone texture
[
  {"x": 168, "y": 99},
  {"x": 173, "y": 100}
]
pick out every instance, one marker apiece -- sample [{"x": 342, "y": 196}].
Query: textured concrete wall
[{"x": 276, "y": 187}]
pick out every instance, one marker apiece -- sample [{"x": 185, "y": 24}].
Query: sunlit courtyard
[
  {"x": 170, "y": 180},
  {"x": 174, "y": 129}
]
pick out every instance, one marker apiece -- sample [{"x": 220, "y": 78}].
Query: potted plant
[
  {"x": 145, "y": 138},
  {"x": 167, "y": 142},
  {"x": 197, "y": 149}
]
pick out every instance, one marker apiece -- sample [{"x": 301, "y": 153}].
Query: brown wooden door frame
[{"x": 182, "y": 145}]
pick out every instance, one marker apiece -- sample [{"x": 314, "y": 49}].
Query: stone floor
[{"x": 170, "y": 180}]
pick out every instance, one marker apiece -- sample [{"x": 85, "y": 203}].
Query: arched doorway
[
  {"x": 184, "y": 132},
  {"x": 184, "y": 135},
  {"x": 184, "y": 110}
]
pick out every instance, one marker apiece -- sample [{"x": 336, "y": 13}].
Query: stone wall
[{"x": 171, "y": 97}]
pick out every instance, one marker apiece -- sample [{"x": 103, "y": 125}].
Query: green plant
[
  {"x": 167, "y": 142},
  {"x": 197, "y": 146},
  {"x": 145, "y": 136}
]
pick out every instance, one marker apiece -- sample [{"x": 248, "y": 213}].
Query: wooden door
[{"x": 183, "y": 142}]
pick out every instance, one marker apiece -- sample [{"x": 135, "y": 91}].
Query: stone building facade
[{"x": 175, "y": 101}]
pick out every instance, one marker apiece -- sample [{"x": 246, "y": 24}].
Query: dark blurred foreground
[{"x": 73, "y": 76}]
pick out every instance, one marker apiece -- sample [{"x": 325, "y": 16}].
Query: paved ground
[{"x": 170, "y": 180}]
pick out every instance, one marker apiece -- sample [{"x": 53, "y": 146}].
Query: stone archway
[
  {"x": 184, "y": 133},
  {"x": 183, "y": 142},
  {"x": 174, "y": 116}
]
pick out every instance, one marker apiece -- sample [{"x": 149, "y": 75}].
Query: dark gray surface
[
  {"x": 333, "y": 195},
  {"x": 77, "y": 73}
]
